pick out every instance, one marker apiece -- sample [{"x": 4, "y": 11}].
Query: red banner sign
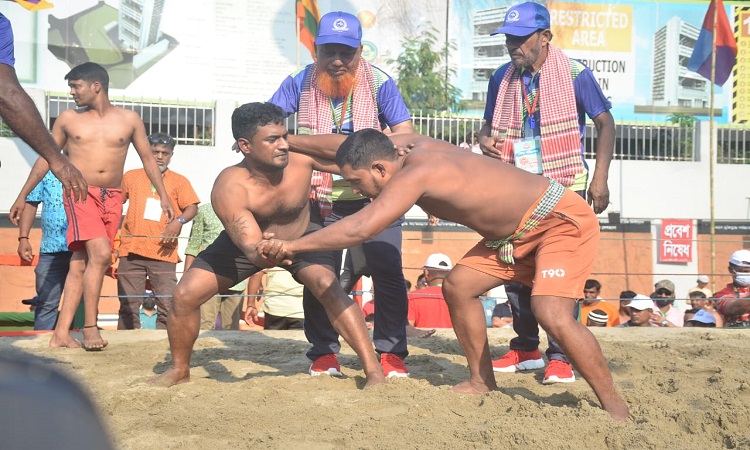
[{"x": 676, "y": 241}]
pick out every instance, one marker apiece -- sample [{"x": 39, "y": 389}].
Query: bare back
[
  {"x": 97, "y": 144},
  {"x": 485, "y": 194}
]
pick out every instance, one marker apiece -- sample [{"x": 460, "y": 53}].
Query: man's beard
[{"x": 335, "y": 87}]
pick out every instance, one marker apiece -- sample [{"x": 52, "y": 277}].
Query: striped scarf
[
  {"x": 315, "y": 117},
  {"x": 560, "y": 135}
]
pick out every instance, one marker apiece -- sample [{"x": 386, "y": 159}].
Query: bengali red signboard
[{"x": 676, "y": 241}]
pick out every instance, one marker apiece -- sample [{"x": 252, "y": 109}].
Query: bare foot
[
  {"x": 411, "y": 331},
  {"x": 65, "y": 341},
  {"x": 375, "y": 378},
  {"x": 171, "y": 377},
  {"x": 92, "y": 340},
  {"x": 473, "y": 387}
]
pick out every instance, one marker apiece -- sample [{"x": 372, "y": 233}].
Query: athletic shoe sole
[
  {"x": 530, "y": 364},
  {"x": 330, "y": 372},
  {"x": 554, "y": 379}
]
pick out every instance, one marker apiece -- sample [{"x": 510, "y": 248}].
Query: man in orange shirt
[
  {"x": 591, "y": 301},
  {"x": 148, "y": 247}
]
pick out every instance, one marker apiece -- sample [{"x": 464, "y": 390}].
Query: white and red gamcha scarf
[
  {"x": 315, "y": 117},
  {"x": 560, "y": 135}
]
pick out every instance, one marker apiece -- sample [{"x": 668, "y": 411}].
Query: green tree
[{"x": 424, "y": 74}]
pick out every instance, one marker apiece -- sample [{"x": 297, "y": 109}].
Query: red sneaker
[
  {"x": 517, "y": 360},
  {"x": 558, "y": 372},
  {"x": 326, "y": 365},
  {"x": 393, "y": 366}
]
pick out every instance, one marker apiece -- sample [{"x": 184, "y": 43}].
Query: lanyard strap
[
  {"x": 340, "y": 125},
  {"x": 530, "y": 107}
]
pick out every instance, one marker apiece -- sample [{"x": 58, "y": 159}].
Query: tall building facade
[
  {"x": 140, "y": 23},
  {"x": 489, "y": 52},
  {"x": 673, "y": 83}
]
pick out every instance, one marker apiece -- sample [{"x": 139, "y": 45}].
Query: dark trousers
[
  {"x": 383, "y": 257},
  {"x": 51, "y": 272},
  {"x": 131, "y": 287},
  {"x": 524, "y": 322}
]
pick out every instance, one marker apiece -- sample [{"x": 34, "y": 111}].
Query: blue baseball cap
[
  {"x": 339, "y": 28},
  {"x": 524, "y": 19},
  {"x": 703, "y": 316}
]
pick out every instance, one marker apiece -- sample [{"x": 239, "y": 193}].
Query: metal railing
[
  {"x": 190, "y": 123},
  {"x": 662, "y": 142},
  {"x": 733, "y": 144}
]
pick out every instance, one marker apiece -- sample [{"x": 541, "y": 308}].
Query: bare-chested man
[
  {"x": 96, "y": 138},
  {"x": 269, "y": 191},
  {"x": 535, "y": 232}
]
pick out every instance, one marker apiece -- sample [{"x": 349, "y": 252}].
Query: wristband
[
  {"x": 181, "y": 220},
  {"x": 22, "y": 237}
]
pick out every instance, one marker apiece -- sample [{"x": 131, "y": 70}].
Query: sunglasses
[{"x": 164, "y": 140}]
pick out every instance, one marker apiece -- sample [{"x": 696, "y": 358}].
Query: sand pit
[{"x": 687, "y": 388}]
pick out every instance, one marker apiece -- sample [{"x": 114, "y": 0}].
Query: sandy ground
[{"x": 687, "y": 388}]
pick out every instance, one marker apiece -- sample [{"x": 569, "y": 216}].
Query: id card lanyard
[
  {"x": 340, "y": 125},
  {"x": 530, "y": 122}
]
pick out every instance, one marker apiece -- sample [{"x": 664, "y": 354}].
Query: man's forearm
[
  {"x": 605, "y": 146},
  {"x": 27, "y": 219},
  {"x": 337, "y": 236},
  {"x": 322, "y": 145},
  {"x": 22, "y": 116}
]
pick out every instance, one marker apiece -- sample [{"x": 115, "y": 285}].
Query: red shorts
[
  {"x": 99, "y": 217},
  {"x": 555, "y": 258}
]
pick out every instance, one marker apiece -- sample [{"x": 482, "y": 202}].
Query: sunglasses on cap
[{"x": 160, "y": 139}]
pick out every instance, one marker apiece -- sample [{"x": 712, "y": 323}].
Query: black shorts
[{"x": 225, "y": 259}]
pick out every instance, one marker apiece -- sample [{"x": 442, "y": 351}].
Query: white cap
[
  {"x": 438, "y": 261},
  {"x": 703, "y": 279},
  {"x": 740, "y": 258},
  {"x": 641, "y": 302}
]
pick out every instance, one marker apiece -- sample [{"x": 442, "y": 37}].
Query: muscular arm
[
  {"x": 140, "y": 142},
  {"x": 230, "y": 203},
  {"x": 598, "y": 193},
  {"x": 325, "y": 146},
  {"x": 38, "y": 170},
  {"x": 19, "y": 112},
  {"x": 395, "y": 200},
  {"x": 405, "y": 127},
  {"x": 321, "y": 145}
]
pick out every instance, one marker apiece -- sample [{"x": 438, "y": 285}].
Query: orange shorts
[
  {"x": 555, "y": 258},
  {"x": 99, "y": 217}
]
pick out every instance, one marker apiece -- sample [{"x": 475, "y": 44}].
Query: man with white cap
[
  {"x": 535, "y": 118},
  {"x": 701, "y": 285},
  {"x": 341, "y": 93},
  {"x": 736, "y": 313},
  {"x": 427, "y": 307},
  {"x": 641, "y": 308}
]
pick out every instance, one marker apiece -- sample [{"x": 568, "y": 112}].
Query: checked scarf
[
  {"x": 315, "y": 117},
  {"x": 560, "y": 135}
]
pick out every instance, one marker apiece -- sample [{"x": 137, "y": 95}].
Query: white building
[
  {"x": 489, "y": 52},
  {"x": 674, "y": 84},
  {"x": 140, "y": 23}
]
